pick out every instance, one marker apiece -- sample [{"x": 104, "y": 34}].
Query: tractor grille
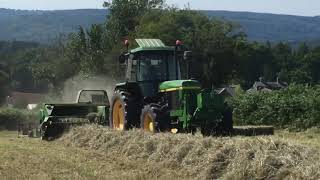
[
  {"x": 191, "y": 102},
  {"x": 174, "y": 101}
]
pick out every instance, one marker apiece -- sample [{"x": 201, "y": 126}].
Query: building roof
[
  {"x": 268, "y": 86},
  {"x": 28, "y": 98},
  {"x": 226, "y": 90}
]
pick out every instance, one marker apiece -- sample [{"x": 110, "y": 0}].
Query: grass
[
  {"x": 92, "y": 152},
  {"x": 309, "y": 138},
  {"x": 27, "y": 158},
  {"x": 7, "y": 134}
]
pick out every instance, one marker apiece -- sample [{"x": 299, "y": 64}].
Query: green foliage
[
  {"x": 296, "y": 107},
  {"x": 14, "y": 64},
  {"x": 92, "y": 53},
  {"x": 4, "y": 83},
  {"x": 212, "y": 41},
  {"x": 125, "y": 15},
  {"x": 50, "y": 66},
  {"x": 92, "y": 61},
  {"x": 10, "y": 118},
  {"x": 253, "y": 61}
]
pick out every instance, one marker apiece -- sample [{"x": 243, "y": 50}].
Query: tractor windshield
[{"x": 151, "y": 66}]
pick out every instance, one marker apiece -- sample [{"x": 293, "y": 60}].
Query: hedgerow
[
  {"x": 296, "y": 107},
  {"x": 11, "y": 117}
]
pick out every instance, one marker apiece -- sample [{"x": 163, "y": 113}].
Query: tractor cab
[{"x": 151, "y": 64}]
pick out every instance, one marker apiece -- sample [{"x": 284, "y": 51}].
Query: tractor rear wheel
[
  {"x": 153, "y": 120},
  {"x": 124, "y": 112}
]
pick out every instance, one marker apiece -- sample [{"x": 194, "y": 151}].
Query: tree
[
  {"x": 50, "y": 65},
  {"x": 4, "y": 83},
  {"x": 211, "y": 40},
  {"x": 312, "y": 65},
  {"x": 93, "y": 63},
  {"x": 284, "y": 60},
  {"x": 125, "y": 16},
  {"x": 255, "y": 60}
]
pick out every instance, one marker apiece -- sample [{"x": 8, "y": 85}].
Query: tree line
[{"x": 222, "y": 54}]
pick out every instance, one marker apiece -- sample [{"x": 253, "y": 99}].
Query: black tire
[
  {"x": 208, "y": 130},
  {"x": 227, "y": 121},
  {"x": 223, "y": 127},
  {"x": 130, "y": 108},
  {"x": 160, "y": 121},
  {"x": 52, "y": 132}
]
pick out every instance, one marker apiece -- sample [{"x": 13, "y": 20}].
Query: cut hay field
[{"x": 92, "y": 152}]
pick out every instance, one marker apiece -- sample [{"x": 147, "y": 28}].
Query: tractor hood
[{"x": 179, "y": 85}]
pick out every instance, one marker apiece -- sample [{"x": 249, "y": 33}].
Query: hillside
[
  {"x": 272, "y": 27},
  {"x": 43, "y": 26}
]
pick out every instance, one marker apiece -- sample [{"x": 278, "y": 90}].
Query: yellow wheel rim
[
  {"x": 118, "y": 116},
  {"x": 148, "y": 123}
]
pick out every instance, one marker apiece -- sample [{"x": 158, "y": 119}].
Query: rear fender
[
  {"x": 41, "y": 115},
  {"x": 131, "y": 87}
]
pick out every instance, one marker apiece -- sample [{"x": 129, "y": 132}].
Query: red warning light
[
  {"x": 178, "y": 43},
  {"x": 126, "y": 42}
]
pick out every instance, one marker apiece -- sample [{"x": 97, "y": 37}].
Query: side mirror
[
  {"x": 187, "y": 55},
  {"x": 122, "y": 58}
]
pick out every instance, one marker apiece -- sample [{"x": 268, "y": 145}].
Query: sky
[{"x": 292, "y": 7}]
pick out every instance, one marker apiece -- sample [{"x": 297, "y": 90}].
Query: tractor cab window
[
  {"x": 156, "y": 67},
  {"x": 152, "y": 69}
]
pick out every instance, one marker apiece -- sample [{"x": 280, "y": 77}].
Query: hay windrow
[{"x": 193, "y": 156}]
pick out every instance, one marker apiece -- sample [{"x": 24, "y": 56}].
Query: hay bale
[{"x": 253, "y": 130}]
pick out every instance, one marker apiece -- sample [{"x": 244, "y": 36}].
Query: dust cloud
[{"x": 73, "y": 85}]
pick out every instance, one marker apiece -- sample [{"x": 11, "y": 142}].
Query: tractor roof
[{"x": 151, "y": 45}]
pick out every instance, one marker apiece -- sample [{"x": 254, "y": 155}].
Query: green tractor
[{"x": 154, "y": 96}]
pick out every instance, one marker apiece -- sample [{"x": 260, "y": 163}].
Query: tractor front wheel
[
  {"x": 153, "y": 119},
  {"x": 148, "y": 119}
]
